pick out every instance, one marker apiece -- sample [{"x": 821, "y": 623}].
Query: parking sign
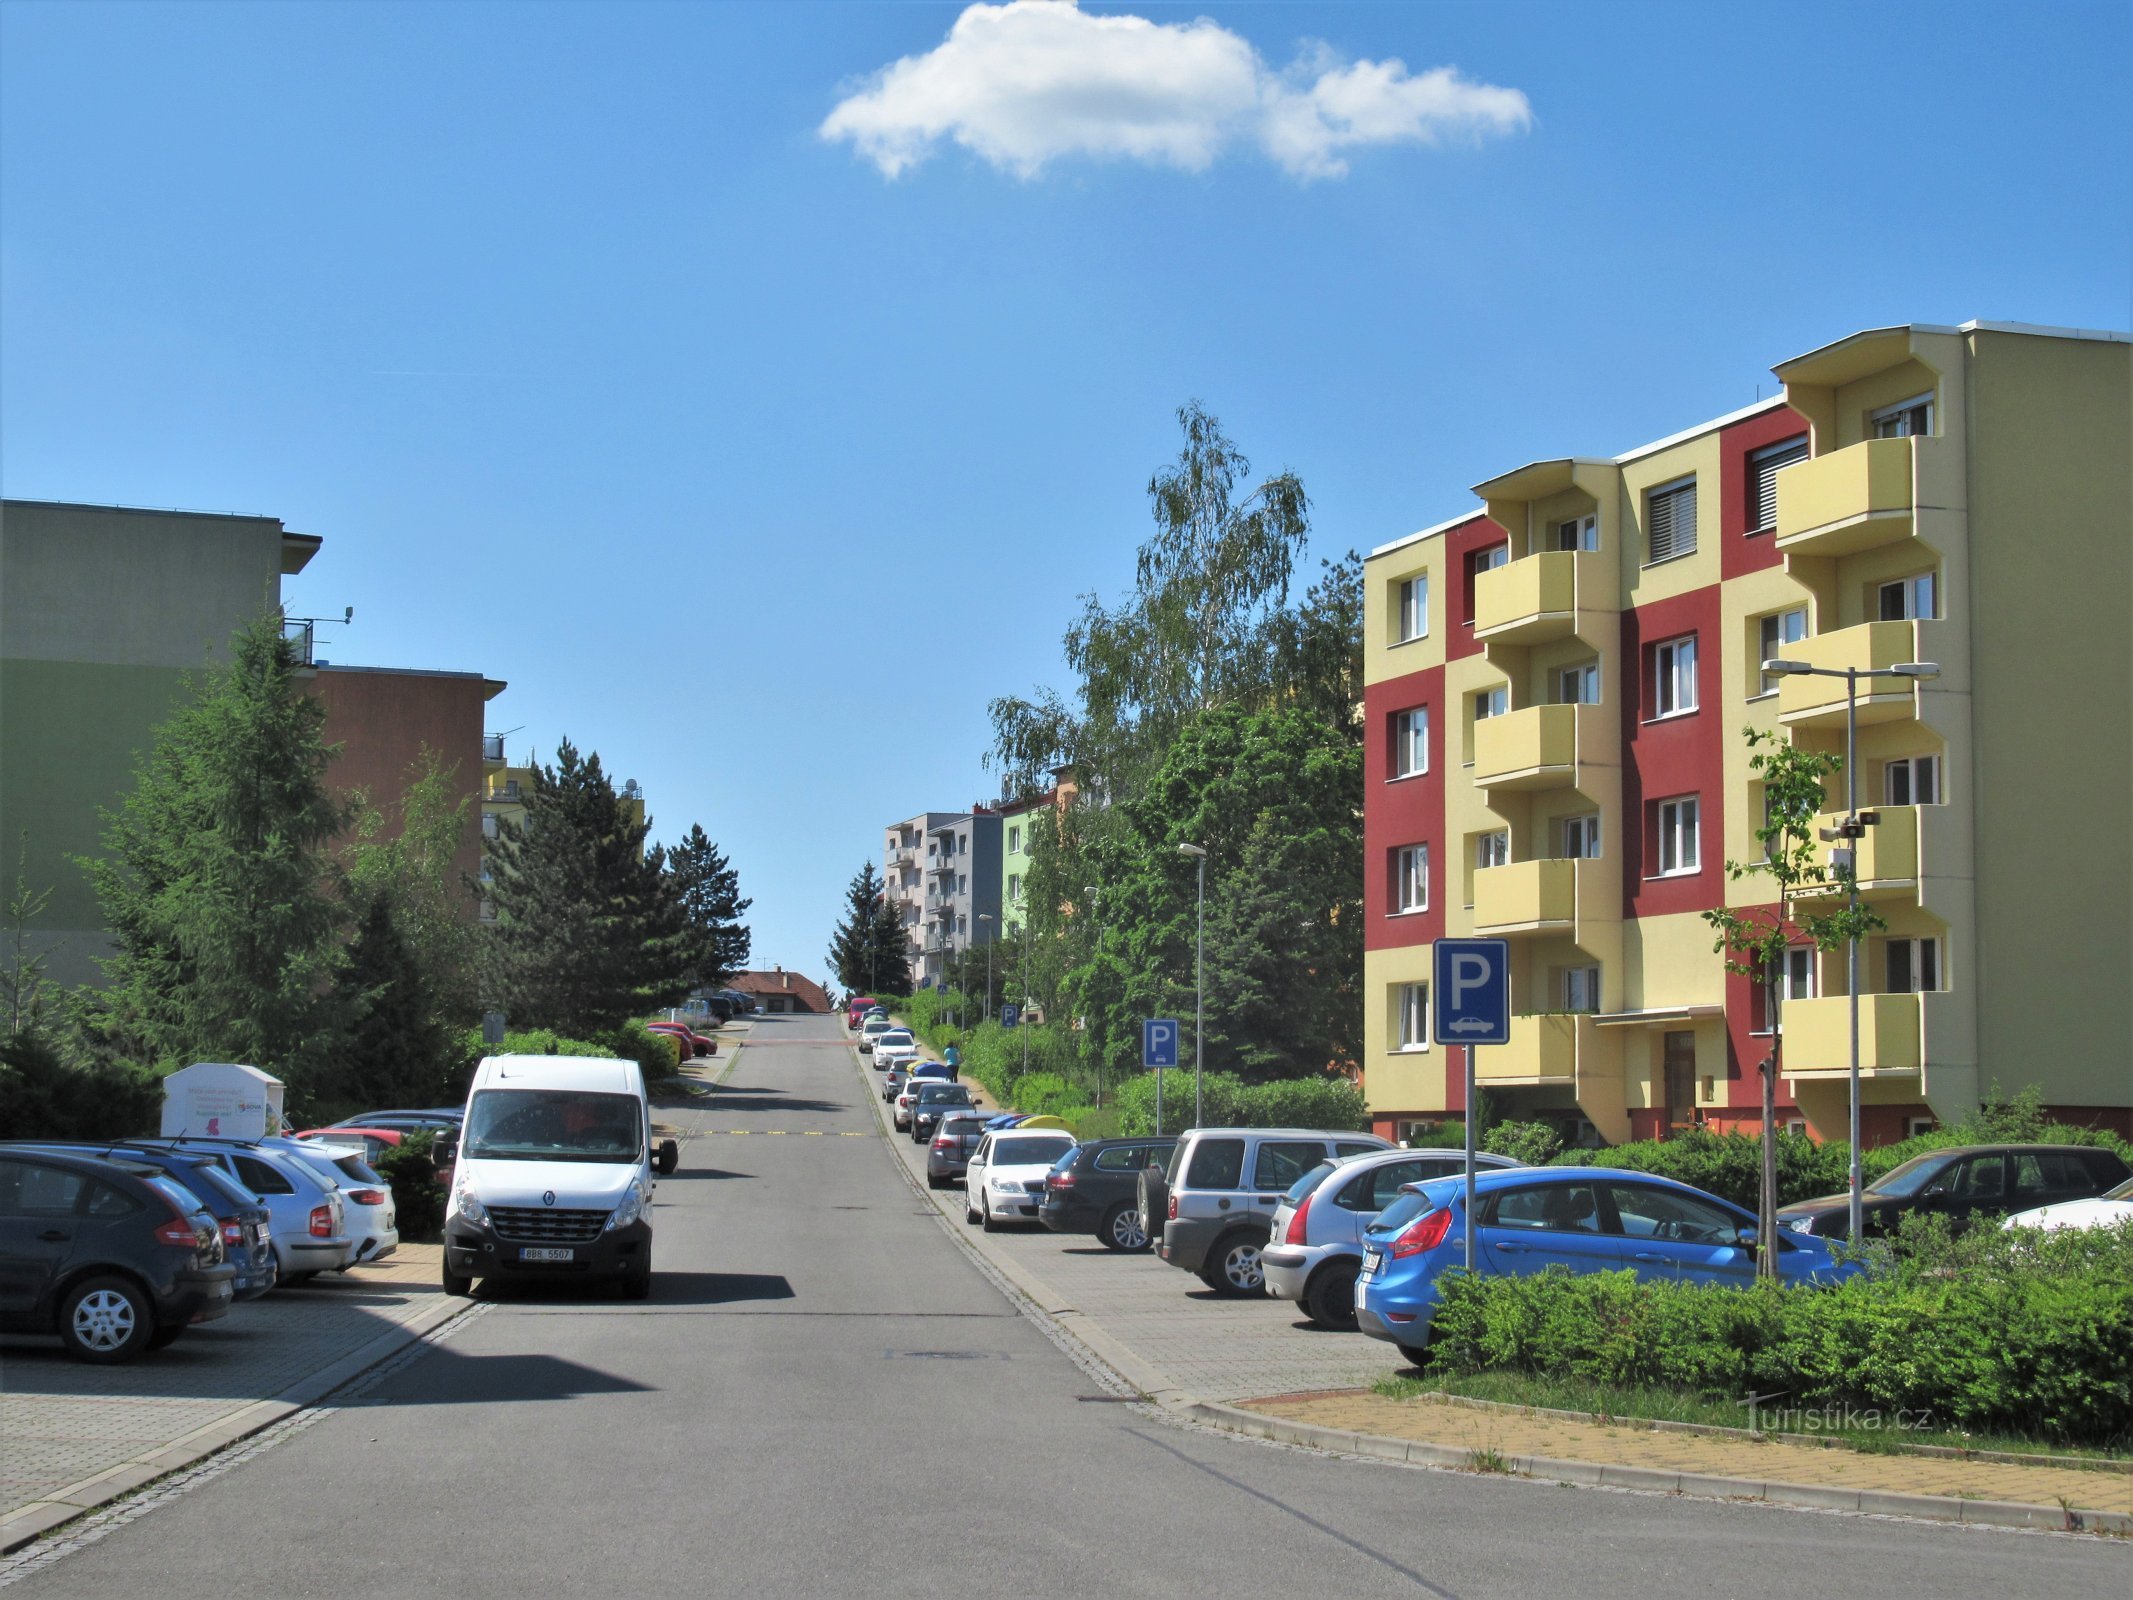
[
  {"x": 1008, "y": 1014},
  {"x": 1159, "y": 1042},
  {"x": 1473, "y": 992}
]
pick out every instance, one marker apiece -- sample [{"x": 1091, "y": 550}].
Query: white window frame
[
  {"x": 1413, "y": 620},
  {"x": 1495, "y": 702},
  {"x": 1014, "y": 840},
  {"x": 1669, "y": 679},
  {"x": 1763, "y": 467},
  {"x": 1911, "y": 588},
  {"x": 1014, "y": 886},
  {"x": 1584, "y": 533},
  {"x": 1581, "y": 837},
  {"x": 1676, "y": 497},
  {"x": 1492, "y": 849},
  {"x": 1577, "y": 979},
  {"x": 1924, "y": 953},
  {"x": 1679, "y": 821},
  {"x": 1771, "y": 635},
  {"x": 1410, "y": 880},
  {"x": 1911, "y": 767},
  {"x": 1578, "y": 685},
  {"x": 1413, "y": 1017},
  {"x": 1900, "y": 412},
  {"x": 1407, "y": 747}
]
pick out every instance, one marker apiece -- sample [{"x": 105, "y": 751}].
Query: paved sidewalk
[
  {"x": 1256, "y": 1365},
  {"x": 78, "y": 1435}
]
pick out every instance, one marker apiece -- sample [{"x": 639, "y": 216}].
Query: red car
[
  {"x": 692, "y": 1043},
  {"x": 857, "y": 1007}
]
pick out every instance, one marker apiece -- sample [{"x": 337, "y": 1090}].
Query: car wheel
[
  {"x": 1329, "y": 1298},
  {"x": 935, "y": 1183},
  {"x": 106, "y": 1320},
  {"x": 459, "y": 1286},
  {"x": 1122, "y": 1230},
  {"x": 638, "y": 1285},
  {"x": 970, "y": 1212},
  {"x": 1415, "y": 1355},
  {"x": 1233, "y": 1265},
  {"x": 985, "y": 1217}
]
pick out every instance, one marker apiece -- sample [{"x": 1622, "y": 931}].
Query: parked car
[
  {"x": 1315, "y": 1247},
  {"x": 948, "y": 1154},
  {"x": 935, "y": 1100},
  {"x": 1005, "y": 1179},
  {"x": 400, "y": 1121},
  {"x": 2113, "y": 1208},
  {"x": 691, "y": 1043},
  {"x": 367, "y": 1205},
  {"x": 1583, "y": 1219},
  {"x": 373, "y": 1141},
  {"x": 1097, "y": 1191},
  {"x": 1965, "y": 1183},
  {"x": 113, "y": 1256},
  {"x": 1219, "y": 1211},
  {"x": 305, "y": 1213},
  {"x": 240, "y": 1216},
  {"x": 895, "y": 1048},
  {"x": 857, "y": 1007},
  {"x": 872, "y": 1028}
]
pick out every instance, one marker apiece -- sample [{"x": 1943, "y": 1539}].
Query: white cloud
[{"x": 1027, "y": 82}]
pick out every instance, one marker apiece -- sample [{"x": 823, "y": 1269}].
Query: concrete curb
[
  {"x": 26, "y": 1523},
  {"x": 1155, "y": 1386},
  {"x": 1817, "y": 1497}
]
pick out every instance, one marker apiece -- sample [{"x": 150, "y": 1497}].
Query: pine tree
[
  {"x": 217, "y": 882},
  {"x": 432, "y": 899},
  {"x": 710, "y": 894},
  {"x": 867, "y": 951},
  {"x": 589, "y": 932},
  {"x": 398, "y": 1052}
]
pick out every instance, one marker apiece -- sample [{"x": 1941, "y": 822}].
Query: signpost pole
[{"x": 1470, "y": 1157}]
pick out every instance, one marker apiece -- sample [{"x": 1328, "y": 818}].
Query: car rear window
[
  {"x": 1309, "y": 1181},
  {"x": 1401, "y": 1212},
  {"x": 360, "y": 1170},
  {"x": 1028, "y": 1152},
  {"x": 1215, "y": 1164},
  {"x": 1122, "y": 1158},
  {"x": 261, "y": 1178},
  {"x": 1281, "y": 1162},
  {"x": 169, "y": 1188}
]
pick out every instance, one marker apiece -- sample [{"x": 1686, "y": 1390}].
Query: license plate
[
  {"x": 1372, "y": 1260},
  {"x": 547, "y": 1253}
]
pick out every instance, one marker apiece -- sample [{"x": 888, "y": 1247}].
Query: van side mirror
[
  {"x": 668, "y": 1158},
  {"x": 444, "y": 1150}
]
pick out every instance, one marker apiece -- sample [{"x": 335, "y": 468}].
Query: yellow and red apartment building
[{"x": 1557, "y": 688}]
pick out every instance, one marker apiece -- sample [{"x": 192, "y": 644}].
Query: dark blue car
[{"x": 1585, "y": 1219}]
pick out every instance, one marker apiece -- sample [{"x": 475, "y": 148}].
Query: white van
[{"x": 553, "y": 1176}]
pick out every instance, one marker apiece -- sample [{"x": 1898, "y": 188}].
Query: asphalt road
[{"x": 826, "y": 1397}]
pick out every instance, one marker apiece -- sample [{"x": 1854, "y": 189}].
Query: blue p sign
[
  {"x": 1159, "y": 1042},
  {"x": 1473, "y": 991},
  {"x": 1008, "y": 1014}
]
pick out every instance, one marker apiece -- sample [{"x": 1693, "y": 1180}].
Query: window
[
  {"x": 1413, "y": 596},
  {"x": 1674, "y": 677},
  {"x": 1649, "y": 1212},
  {"x": 1581, "y": 837},
  {"x": 962, "y": 925},
  {"x": 1912, "y": 966},
  {"x": 1492, "y": 849},
  {"x": 1215, "y": 1164},
  {"x": 1379, "y": 1187},
  {"x": 1491, "y": 703},
  {"x": 260, "y": 1178},
  {"x": 490, "y": 826},
  {"x": 1907, "y": 419},
  {"x": 1014, "y": 886},
  {"x": 962, "y": 883},
  {"x": 1795, "y": 976},
  {"x": 1578, "y": 533},
  {"x": 1414, "y": 1016},
  {"x": 1911, "y": 781},
  {"x": 1774, "y": 633},
  {"x": 2047, "y": 1174},
  {"x": 1578, "y": 685},
  {"x": 30, "y": 1189},
  {"x": 1279, "y": 1164},
  {"x": 1410, "y": 878},
  {"x": 1410, "y": 742},
  {"x": 1915, "y": 1127},
  {"x": 1670, "y": 520},
  {"x": 1677, "y": 850},
  {"x": 1122, "y": 1158},
  {"x": 1763, "y": 468},
  {"x": 1014, "y": 839},
  {"x": 1581, "y": 988},
  {"x": 1545, "y": 1207},
  {"x": 1478, "y": 562},
  {"x": 1908, "y": 599}
]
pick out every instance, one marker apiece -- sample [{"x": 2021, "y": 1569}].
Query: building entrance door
[{"x": 1679, "y": 1053}]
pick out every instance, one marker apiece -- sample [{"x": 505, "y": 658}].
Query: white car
[
  {"x": 895, "y": 1048},
  {"x": 1005, "y": 1181},
  {"x": 369, "y": 1216},
  {"x": 871, "y": 1030},
  {"x": 2113, "y": 1208}
]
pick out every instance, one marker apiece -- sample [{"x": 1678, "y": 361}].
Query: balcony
[
  {"x": 1539, "y": 747},
  {"x": 1885, "y": 858},
  {"x": 1818, "y": 1036},
  {"x": 492, "y": 749},
  {"x": 1819, "y": 702},
  {"x": 1526, "y": 897},
  {"x": 1854, "y": 499},
  {"x": 1536, "y": 598},
  {"x": 1543, "y": 1049}
]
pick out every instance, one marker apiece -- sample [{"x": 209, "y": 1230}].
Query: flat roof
[{"x": 494, "y": 686}]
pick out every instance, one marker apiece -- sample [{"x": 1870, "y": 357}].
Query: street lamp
[
  {"x": 1199, "y": 974},
  {"x": 983, "y": 918},
  {"x": 1918, "y": 672}
]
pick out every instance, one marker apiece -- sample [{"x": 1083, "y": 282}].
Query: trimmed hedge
[
  {"x": 1228, "y": 1102},
  {"x": 2008, "y": 1333},
  {"x": 657, "y": 1055},
  {"x": 418, "y": 1195}
]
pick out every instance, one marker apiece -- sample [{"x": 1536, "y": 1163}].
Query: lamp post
[
  {"x": 1917, "y": 672},
  {"x": 983, "y": 918},
  {"x": 1199, "y": 973}
]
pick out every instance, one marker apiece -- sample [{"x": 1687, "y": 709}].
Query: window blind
[
  {"x": 1670, "y": 520},
  {"x": 1763, "y": 511}
]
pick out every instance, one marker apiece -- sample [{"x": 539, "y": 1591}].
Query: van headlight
[
  {"x": 629, "y": 1211},
  {"x": 467, "y": 1207}
]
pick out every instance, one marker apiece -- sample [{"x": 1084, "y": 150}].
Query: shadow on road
[
  {"x": 712, "y": 1173},
  {"x": 448, "y": 1377},
  {"x": 668, "y": 1289}
]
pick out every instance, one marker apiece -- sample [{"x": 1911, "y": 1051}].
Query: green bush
[
  {"x": 1729, "y": 1165},
  {"x": 41, "y": 1097},
  {"x": 1534, "y": 1143},
  {"x": 1046, "y": 1094},
  {"x": 1994, "y": 1332},
  {"x": 657, "y": 1055},
  {"x": 418, "y": 1195},
  {"x": 1323, "y": 1102}
]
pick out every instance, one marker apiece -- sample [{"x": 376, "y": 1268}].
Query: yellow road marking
[{"x": 784, "y": 1133}]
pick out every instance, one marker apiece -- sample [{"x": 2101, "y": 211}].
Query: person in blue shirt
[{"x": 954, "y": 1058}]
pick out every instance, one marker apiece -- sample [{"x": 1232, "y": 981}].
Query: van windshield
[{"x": 552, "y": 1125}]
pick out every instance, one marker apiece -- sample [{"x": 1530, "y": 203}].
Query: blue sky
[{"x": 601, "y": 369}]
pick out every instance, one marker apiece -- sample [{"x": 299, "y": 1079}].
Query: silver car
[
  {"x": 1316, "y": 1245},
  {"x": 304, "y": 1209}
]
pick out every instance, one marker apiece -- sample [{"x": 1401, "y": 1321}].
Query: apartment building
[
  {"x": 1557, "y": 685},
  {"x": 904, "y": 849},
  {"x": 962, "y": 887},
  {"x": 104, "y": 612},
  {"x": 1015, "y": 821}
]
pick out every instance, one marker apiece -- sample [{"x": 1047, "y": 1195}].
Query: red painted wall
[
  {"x": 1738, "y": 551},
  {"x": 1410, "y": 811},
  {"x": 1681, "y": 755},
  {"x": 1477, "y": 533}
]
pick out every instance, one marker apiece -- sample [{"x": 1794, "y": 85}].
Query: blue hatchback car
[{"x": 1585, "y": 1219}]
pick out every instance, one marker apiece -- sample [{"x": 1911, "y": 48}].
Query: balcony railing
[
  {"x": 1537, "y": 597},
  {"x": 1539, "y": 747},
  {"x": 1817, "y": 1041},
  {"x": 492, "y": 747},
  {"x": 1857, "y": 498},
  {"x": 1526, "y": 897},
  {"x": 1806, "y": 701},
  {"x": 1543, "y": 1049},
  {"x": 1884, "y": 858}
]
